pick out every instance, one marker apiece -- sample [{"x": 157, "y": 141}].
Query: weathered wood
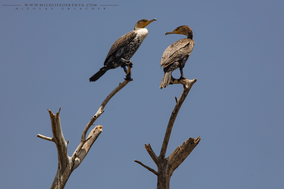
[
  {"x": 66, "y": 164},
  {"x": 166, "y": 166},
  {"x": 101, "y": 109},
  {"x": 150, "y": 169},
  {"x": 181, "y": 153},
  {"x": 151, "y": 153}
]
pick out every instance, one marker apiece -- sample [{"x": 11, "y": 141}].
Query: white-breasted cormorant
[
  {"x": 124, "y": 48},
  {"x": 176, "y": 55}
]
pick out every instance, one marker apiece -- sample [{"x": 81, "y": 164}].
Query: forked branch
[
  {"x": 166, "y": 166},
  {"x": 66, "y": 164},
  {"x": 187, "y": 84},
  {"x": 101, "y": 109}
]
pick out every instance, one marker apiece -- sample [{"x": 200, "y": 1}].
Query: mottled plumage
[
  {"x": 123, "y": 49},
  {"x": 176, "y": 55},
  {"x": 123, "y": 41}
]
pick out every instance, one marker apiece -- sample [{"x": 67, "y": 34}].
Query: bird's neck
[
  {"x": 137, "y": 28},
  {"x": 142, "y": 33},
  {"x": 189, "y": 35}
]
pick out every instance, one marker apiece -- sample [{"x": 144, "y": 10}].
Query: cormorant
[
  {"x": 176, "y": 55},
  {"x": 124, "y": 48}
]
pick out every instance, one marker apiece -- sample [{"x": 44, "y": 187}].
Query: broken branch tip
[{"x": 147, "y": 146}]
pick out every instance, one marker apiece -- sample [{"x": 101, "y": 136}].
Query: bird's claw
[
  {"x": 128, "y": 77},
  {"x": 181, "y": 78}
]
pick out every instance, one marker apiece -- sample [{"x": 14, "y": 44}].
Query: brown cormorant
[
  {"x": 124, "y": 48},
  {"x": 176, "y": 55}
]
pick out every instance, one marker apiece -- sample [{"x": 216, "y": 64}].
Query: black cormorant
[{"x": 124, "y": 48}]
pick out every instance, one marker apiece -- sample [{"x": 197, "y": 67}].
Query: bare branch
[
  {"x": 181, "y": 153},
  {"x": 101, "y": 109},
  {"x": 166, "y": 166},
  {"x": 94, "y": 118},
  {"x": 45, "y": 137},
  {"x": 66, "y": 164},
  {"x": 150, "y": 169},
  {"x": 187, "y": 84},
  {"x": 81, "y": 154},
  {"x": 58, "y": 138},
  {"x": 151, "y": 153}
]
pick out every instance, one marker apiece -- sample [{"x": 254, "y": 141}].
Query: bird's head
[
  {"x": 143, "y": 23},
  {"x": 185, "y": 30}
]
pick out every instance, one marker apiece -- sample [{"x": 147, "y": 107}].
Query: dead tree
[
  {"x": 166, "y": 166},
  {"x": 67, "y": 164}
]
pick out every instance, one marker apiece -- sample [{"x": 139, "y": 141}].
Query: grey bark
[
  {"x": 67, "y": 164},
  {"x": 166, "y": 166}
]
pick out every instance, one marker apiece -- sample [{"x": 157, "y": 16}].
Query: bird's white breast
[{"x": 142, "y": 33}]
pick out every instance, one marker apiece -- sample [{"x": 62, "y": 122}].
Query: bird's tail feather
[
  {"x": 97, "y": 75},
  {"x": 166, "y": 80}
]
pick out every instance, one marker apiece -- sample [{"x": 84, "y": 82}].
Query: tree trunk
[{"x": 163, "y": 175}]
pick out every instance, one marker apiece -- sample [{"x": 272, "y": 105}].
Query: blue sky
[{"x": 236, "y": 105}]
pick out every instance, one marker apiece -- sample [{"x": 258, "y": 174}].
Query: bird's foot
[
  {"x": 128, "y": 77},
  {"x": 173, "y": 80},
  {"x": 181, "y": 78},
  {"x": 129, "y": 64}
]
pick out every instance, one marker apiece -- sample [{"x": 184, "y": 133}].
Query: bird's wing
[
  {"x": 121, "y": 42},
  {"x": 176, "y": 51}
]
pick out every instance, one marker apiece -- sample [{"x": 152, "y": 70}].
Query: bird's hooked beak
[
  {"x": 149, "y": 21},
  {"x": 143, "y": 23},
  {"x": 173, "y": 32},
  {"x": 184, "y": 29}
]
